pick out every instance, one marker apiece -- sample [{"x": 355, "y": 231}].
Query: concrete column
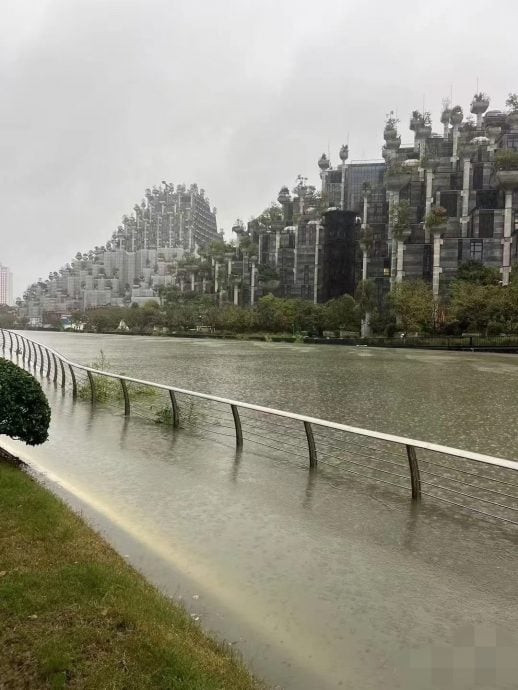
[
  {"x": 393, "y": 200},
  {"x": 192, "y": 281},
  {"x": 446, "y": 131},
  {"x": 465, "y": 198},
  {"x": 365, "y": 210},
  {"x": 295, "y": 254},
  {"x": 437, "y": 270},
  {"x": 277, "y": 245},
  {"x": 429, "y": 200},
  {"x": 216, "y": 281},
  {"x": 365, "y": 329},
  {"x": 342, "y": 189},
  {"x": 400, "y": 249},
  {"x": 252, "y": 285},
  {"x": 455, "y": 142},
  {"x": 506, "y": 240},
  {"x": 236, "y": 294},
  {"x": 315, "y": 277}
]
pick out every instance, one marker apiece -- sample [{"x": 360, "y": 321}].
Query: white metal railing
[{"x": 29, "y": 350}]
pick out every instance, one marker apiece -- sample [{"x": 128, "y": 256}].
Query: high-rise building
[{"x": 6, "y": 286}]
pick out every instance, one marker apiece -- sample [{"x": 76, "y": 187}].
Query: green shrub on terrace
[{"x": 506, "y": 159}]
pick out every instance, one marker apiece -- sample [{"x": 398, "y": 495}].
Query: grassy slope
[{"x": 73, "y": 614}]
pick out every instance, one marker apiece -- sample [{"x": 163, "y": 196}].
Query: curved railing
[{"x": 319, "y": 436}]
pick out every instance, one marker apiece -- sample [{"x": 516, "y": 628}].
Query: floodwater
[
  {"x": 464, "y": 400},
  {"x": 320, "y": 581}
]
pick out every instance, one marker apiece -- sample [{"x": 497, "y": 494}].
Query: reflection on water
[{"x": 458, "y": 399}]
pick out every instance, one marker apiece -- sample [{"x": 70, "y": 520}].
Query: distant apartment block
[{"x": 6, "y": 286}]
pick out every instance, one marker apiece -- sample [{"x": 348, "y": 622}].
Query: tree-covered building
[
  {"x": 418, "y": 213},
  {"x": 143, "y": 254}
]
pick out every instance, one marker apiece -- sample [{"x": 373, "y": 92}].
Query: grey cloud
[{"x": 103, "y": 99}]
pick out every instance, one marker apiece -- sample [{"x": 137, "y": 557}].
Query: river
[{"x": 465, "y": 400}]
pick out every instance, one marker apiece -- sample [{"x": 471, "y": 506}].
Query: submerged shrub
[{"x": 108, "y": 389}]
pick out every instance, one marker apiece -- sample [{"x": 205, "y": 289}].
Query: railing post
[
  {"x": 11, "y": 342},
  {"x": 49, "y": 365},
  {"x": 18, "y": 349},
  {"x": 311, "y": 446},
  {"x": 92, "y": 386},
  {"x": 41, "y": 359},
  {"x": 415, "y": 477},
  {"x": 237, "y": 424},
  {"x": 29, "y": 353},
  {"x": 126, "y": 398},
  {"x": 24, "y": 353},
  {"x": 63, "y": 379},
  {"x": 74, "y": 382},
  {"x": 55, "y": 368},
  {"x": 174, "y": 407}
]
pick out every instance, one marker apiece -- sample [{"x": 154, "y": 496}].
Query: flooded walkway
[{"x": 319, "y": 581}]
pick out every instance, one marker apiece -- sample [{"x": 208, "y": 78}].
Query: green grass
[{"x": 73, "y": 614}]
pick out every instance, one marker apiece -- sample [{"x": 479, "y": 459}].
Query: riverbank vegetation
[
  {"x": 73, "y": 614},
  {"x": 474, "y": 302},
  {"x": 109, "y": 389}
]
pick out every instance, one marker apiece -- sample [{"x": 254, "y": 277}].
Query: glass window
[
  {"x": 486, "y": 223},
  {"x": 476, "y": 250}
]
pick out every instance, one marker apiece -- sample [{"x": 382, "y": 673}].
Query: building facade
[
  {"x": 6, "y": 286},
  {"x": 144, "y": 253},
  {"x": 417, "y": 213}
]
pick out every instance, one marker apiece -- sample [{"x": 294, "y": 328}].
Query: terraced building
[{"x": 145, "y": 252}]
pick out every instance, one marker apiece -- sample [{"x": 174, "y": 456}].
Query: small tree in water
[{"x": 24, "y": 410}]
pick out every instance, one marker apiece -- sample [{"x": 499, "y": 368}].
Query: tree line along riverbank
[{"x": 476, "y": 302}]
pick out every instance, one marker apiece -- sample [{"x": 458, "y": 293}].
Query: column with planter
[
  {"x": 400, "y": 233},
  {"x": 253, "y": 260},
  {"x": 445, "y": 119},
  {"x": 506, "y": 162},
  {"x": 479, "y": 105},
  {"x": 344, "y": 155},
  {"x": 431, "y": 166},
  {"x": 456, "y": 117},
  {"x": 396, "y": 178},
  {"x": 366, "y": 242},
  {"x": 467, "y": 152},
  {"x": 436, "y": 222}
]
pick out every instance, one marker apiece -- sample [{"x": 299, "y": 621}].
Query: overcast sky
[{"x": 101, "y": 99}]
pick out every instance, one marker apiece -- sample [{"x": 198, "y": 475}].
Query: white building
[{"x": 6, "y": 286}]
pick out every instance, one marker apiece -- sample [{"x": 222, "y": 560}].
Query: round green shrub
[{"x": 24, "y": 410}]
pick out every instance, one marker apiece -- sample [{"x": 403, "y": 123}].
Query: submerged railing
[{"x": 475, "y": 481}]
